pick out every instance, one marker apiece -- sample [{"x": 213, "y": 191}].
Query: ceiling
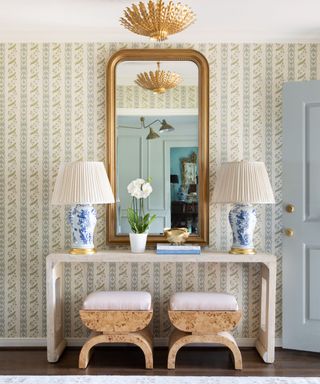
[{"x": 217, "y": 21}]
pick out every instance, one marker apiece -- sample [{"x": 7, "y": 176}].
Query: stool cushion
[
  {"x": 118, "y": 301},
  {"x": 203, "y": 301}
]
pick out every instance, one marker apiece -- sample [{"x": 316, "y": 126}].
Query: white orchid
[
  {"x": 146, "y": 190},
  {"x": 139, "y": 189}
]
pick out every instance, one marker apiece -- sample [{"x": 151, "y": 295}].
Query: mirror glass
[
  {"x": 162, "y": 136},
  {"x": 167, "y": 156}
]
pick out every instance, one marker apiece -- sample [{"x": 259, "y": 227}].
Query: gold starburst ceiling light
[
  {"x": 158, "y": 81},
  {"x": 157, "y": 20}
]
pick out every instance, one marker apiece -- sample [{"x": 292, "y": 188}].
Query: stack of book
[{"x": 167, "y": 249}]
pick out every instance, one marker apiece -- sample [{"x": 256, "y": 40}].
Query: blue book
[
  {"x": 167, "y": 249},
  {"x": 178, "y": 252}
]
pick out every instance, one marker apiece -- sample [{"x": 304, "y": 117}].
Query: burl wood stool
[
  {"x": 117, "y": 317},
  {"x": 201, "y": 317}
]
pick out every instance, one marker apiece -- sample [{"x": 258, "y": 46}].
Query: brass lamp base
[
  {"x": 82, "y": 251},
  {"x": 242, "y": 251}
]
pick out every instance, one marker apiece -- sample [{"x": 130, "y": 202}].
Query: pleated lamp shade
[
  {"x": 82, "y": 182},
  {"x": 244, "y": 182}
]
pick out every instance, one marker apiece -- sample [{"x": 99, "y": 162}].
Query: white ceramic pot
[{"x": 138, "y": 242}]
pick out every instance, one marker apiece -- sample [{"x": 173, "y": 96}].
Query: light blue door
[{"x": 301, "y": 217}]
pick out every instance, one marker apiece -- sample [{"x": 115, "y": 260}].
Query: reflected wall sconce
[
  {"x": 152, "y": 134},
  {"x": 157, "y": 20},
  {"x": 165, "y": 127}
]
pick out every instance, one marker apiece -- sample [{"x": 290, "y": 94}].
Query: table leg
[
  {"x": 55, "y": 331},
  {"x": 265, "y": 343}
]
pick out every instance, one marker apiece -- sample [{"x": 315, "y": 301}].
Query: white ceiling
[{"x": 217, "y": 21}]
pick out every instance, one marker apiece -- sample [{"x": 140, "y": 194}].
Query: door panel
[
  {"x": 301, "y": 187},
  {"x": 313, "y": 286},
  {"x": 312, "y": 161}
]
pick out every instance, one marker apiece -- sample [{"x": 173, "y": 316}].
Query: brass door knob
[
  {"x": 290, "y": 208},
  {"x": 289, "y": 232}
]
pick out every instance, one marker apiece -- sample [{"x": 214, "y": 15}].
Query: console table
[{"x": 56, "y": 342}]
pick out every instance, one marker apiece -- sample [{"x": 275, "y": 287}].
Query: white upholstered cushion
[
  {"x": 203, "y": 301},
  {"x": 118, "y": 300}
]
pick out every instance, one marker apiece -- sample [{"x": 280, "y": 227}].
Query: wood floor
[{"x": 130, "y": 361}]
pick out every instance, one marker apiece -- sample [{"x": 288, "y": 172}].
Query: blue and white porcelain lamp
[
  {"x": 81, "y": 184},
  {"x": 243, "y": 183}
]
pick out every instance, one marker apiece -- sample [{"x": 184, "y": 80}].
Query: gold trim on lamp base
[
  {"x": 242, "y": 251},
  {"x": 82, "y": 251}
]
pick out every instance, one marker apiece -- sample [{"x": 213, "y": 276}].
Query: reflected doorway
[{"x": 184, "y": 188}]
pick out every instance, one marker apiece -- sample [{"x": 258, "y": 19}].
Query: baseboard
[
  {"x": 23, "y": 342},
  {"x": 77, "y": 342}
]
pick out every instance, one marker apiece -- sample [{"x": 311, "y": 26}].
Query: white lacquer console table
[{"x": 56, "y": 342}]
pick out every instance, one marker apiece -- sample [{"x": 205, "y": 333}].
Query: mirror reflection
[{"x": 157, "y": 137}]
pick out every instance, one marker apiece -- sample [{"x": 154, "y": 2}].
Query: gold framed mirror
[{"x": 149, "y": 134}]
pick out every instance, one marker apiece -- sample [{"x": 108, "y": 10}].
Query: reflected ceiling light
[
  {"x": 158, "y": 81},
  {"x": 157, "y": 20},
  {"x": 165, "y": 127}
]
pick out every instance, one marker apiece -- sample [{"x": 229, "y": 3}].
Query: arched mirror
[{"x": 161, "y": 134}]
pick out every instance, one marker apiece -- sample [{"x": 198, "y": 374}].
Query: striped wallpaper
[
  {"x": 134, "y": 96},
  {"x": 52, "y": 109}
]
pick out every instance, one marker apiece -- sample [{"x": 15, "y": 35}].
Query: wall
[
  {"x": 52, "y": 109},
  {"x": 136, "y": 97}
]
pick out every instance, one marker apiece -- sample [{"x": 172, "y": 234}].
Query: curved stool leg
[
  {"x": 228, "y": 340},
  {"x": 85, "y": 353},
  {"x": 141, "y": 339},
  {"x": 179, "y": 339}
]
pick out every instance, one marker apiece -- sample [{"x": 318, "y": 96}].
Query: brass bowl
[{"x": 176, "y": 236}]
